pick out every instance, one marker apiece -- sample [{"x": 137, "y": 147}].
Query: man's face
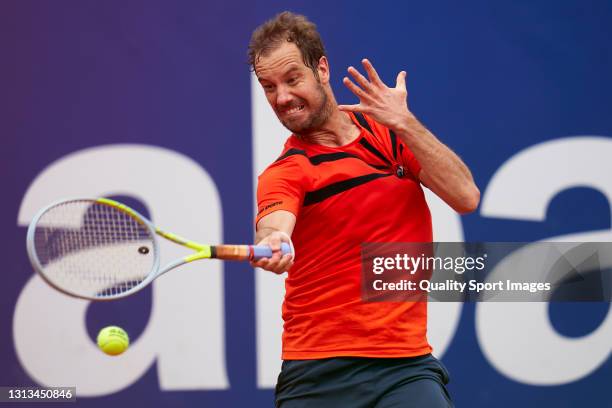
[{"x": 294, "y": 92}]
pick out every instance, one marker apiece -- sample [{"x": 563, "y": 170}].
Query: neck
[{"x": 338, "y": 130}]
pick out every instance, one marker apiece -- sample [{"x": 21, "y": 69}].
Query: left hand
[{"x": 387, "y": 106}]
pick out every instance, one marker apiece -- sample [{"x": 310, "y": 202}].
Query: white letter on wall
[
  {"x": 518, "y": 338},
  {"x": 185, "y": 333}
]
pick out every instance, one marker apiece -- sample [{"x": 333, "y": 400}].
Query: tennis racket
[{"x": 100, "y": 249}]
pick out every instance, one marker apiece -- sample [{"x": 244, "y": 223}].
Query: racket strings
[{"x": 92, "y": 249}]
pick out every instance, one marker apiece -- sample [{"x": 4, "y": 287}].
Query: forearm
[
  {"x": 264, "y": 232},
  {"x": 441, "y": 169},
  {"x": 278, "y": 221}
]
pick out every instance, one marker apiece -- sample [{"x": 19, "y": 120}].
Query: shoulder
[{"x": 289, "y": 165}]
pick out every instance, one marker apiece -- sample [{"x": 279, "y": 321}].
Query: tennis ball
[{"x": 113, "y": 340}]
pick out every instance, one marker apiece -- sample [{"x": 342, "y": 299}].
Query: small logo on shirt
[
  {"x": 399, "y": 171},
  {"x": 274, "y": 204}
]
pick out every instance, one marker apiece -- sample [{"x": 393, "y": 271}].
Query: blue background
[{"x": 489, "y": 78}]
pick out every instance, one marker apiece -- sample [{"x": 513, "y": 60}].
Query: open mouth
[{"x": 293, "y": 110}]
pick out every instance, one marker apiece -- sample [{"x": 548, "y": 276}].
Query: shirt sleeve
[{"x": 280, "y": 187}]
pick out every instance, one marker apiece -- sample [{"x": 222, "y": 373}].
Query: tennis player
[{"x": 348, "y": 174}]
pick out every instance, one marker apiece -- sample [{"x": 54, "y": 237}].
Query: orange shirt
[{"x": 366, "y": 191}]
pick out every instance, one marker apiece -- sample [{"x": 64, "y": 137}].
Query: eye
[
  {"x": 292, "y": 80},
  {"x": 268, "y": 88}
]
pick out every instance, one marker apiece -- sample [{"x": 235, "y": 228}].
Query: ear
[{"x": 323, "y": 70}]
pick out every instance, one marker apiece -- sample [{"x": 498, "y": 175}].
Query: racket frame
[
  {"x": 36, "y": 264},
  {"x": 202, "y": 251}
]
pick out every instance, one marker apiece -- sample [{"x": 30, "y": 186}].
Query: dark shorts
[{"x": 358, "y": 382}]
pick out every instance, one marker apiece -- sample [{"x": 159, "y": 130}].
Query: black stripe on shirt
[
  {"x": 363, "y": 122},
  {"x": 316, "y": 196},
  {"x": 393, "y": 143},
  {"x": 374, "y": 151},
  {"x": 326, "y": 157},
  {"x": 291, "y": 152}
]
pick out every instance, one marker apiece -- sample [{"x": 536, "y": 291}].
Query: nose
[{"x": 283, "y": 96}]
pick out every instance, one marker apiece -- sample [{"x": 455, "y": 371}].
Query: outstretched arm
[{"x": 442, "y": 171}]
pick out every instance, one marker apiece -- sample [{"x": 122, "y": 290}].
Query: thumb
[
  {"x": 350, "y": 108},
  {"x": 274, "y": 241},
  {"x": 401, "y": 80}
]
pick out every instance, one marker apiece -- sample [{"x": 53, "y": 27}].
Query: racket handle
[
  {"x": 264, "y": 251},
  {"x": 244, "y": 252}
]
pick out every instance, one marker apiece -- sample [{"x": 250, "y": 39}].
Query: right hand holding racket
[{"x": 277, "y": 263}]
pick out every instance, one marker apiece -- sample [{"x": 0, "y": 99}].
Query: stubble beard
[{"x": 316, "y": 119}]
